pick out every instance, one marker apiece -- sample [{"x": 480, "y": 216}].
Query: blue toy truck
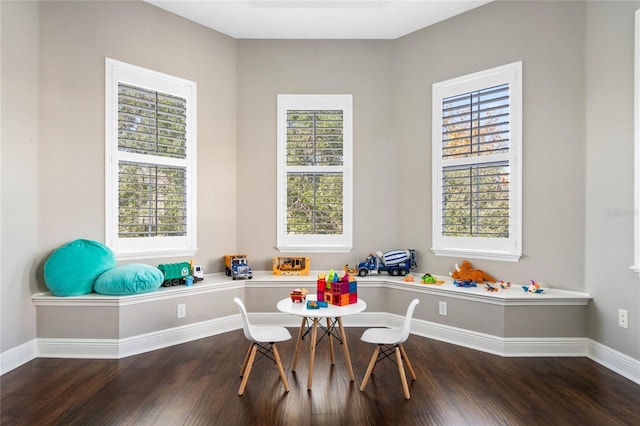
[
  {"x": 236, "y": 266},
  {"x": 395, "y": 262}
]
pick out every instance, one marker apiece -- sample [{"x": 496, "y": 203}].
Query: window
[
  {"x": 314, "y": 173},
  {"x": 477, "y": 158},
  {"x": 150, "y": 149}
]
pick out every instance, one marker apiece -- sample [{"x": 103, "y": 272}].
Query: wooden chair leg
[
  {"x": 403, "y": 378},
  {"x": 246, "y": 358},
  {"x": 303, "y": 325},
  {"x": 283, "y": 376},
  {"x": 372, "y": 364},
  {"x": 245, "y": 377},
  {"x": 406, "y": 361}
]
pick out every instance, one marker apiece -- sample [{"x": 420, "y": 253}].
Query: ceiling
[{"x": 311, "y": 19}]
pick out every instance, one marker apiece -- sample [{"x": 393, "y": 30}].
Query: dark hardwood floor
[{"x": 197, "y": 383}]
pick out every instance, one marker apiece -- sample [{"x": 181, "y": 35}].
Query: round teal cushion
[
  {"x": 133, "y": 278},
  {"x": 72, "y": 269}
]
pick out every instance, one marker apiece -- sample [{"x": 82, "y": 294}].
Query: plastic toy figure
[
  {"x": 491, "y": 288},
  {"x": 430, "y": 279},
  {"x": 534, "y": 287}
]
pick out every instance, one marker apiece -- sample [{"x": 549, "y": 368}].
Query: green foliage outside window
[
  {"x": 476, "y": 196},
  {"x": 315, "y": 198},
  {"x": 152, "y": 197}
]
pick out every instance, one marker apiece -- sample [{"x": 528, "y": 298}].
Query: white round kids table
[{"x": 333, "y": 315}]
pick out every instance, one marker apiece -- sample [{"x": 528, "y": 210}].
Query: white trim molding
[
  {"x": 18, "y": 355},
  {"x": 122, "y": 348},
  {"x": 636, "y": 131},
  {"x": 615, "y": 361},
  {"x": 509, "y": 248}
]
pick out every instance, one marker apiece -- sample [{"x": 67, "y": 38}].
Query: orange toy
[{"x": 466, "y": 272}]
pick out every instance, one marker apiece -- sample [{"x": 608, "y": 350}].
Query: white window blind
[
  {"x": 314, "y": 199},
  {"x": 477, "y": 165},
  {"x": 152, "y": 198},
  {"x": 314, "y": 186},
  {"x": 150, "y": 162},
  {"x": 476, "y": 196}
]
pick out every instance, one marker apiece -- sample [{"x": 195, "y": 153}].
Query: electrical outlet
[
  {"x": 182, "y": 310},
  {"x": 623, "y": 318},
  {"x": 442, "y": 306}
]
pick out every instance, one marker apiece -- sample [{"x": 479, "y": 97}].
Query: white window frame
[
  {"x": 147, "y": 247},
  {"x": 314, "y": 243},
  {"x": 636, "y": 124},
  {"x": 503, "y": 249}
]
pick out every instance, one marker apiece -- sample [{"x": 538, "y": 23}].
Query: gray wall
[
  {"x": 609, "y": 209},
  {"x": 578, "y": 170},
  {"x": 267, "y": 68},
  {"x": 20, "y": 141},
  {"x": 553, "y": 129},
  {"x": 76, "y": 37},
  {"x": 53, "y": 131}
]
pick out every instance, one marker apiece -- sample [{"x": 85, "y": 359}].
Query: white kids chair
[
  {"x": 263, "y": 339},
  {"x": 389, "y": 341}
]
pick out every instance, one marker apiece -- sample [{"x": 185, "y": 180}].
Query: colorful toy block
[{"x": 335, "y": 290}]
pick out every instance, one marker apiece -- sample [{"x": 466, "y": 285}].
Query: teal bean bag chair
[
  {"x": 72, "y": 269},
  {"x": 128, "y": 279}
]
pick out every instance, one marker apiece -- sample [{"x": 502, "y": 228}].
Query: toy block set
[{"x": 336, "y": 290}]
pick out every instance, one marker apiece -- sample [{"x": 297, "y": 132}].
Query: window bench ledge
[
  {"x": 513, "y": 322},
  {"x": 514, "y": 296}
]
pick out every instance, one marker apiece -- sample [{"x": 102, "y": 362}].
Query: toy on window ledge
[
  {"x": 534, "y": 287},
  {"x": 490, "y": 288},
  {"x": 504, "y": 285},
  {"x": 466, "y": 272},
  {"x": 464, "y": 283},
  {"x": 430, "y": 279},
  {"x": 408, "y": 278}
]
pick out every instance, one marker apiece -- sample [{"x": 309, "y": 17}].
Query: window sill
[
  {"x": 476, "y": 254},
  {"x": 155, "y": 254},
  {"x": 314, "y": 249}
]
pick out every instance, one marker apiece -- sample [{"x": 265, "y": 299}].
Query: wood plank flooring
[{"x": 197, "y": 384}]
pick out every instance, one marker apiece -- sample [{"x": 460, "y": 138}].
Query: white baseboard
[
  {"x": 18, "y": 355},
  {"x": 507, "y": 347},
  {"x": 620, "y": 363},
  {"x": 121, "y": 348}
]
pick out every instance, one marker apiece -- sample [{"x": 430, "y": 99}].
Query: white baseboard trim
[
  {"x": 121, "y": 348},
  {"x": 616, "y": 361},
  {"x": 507, "y": 347},
  {"x": 17, "y": 356}
]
